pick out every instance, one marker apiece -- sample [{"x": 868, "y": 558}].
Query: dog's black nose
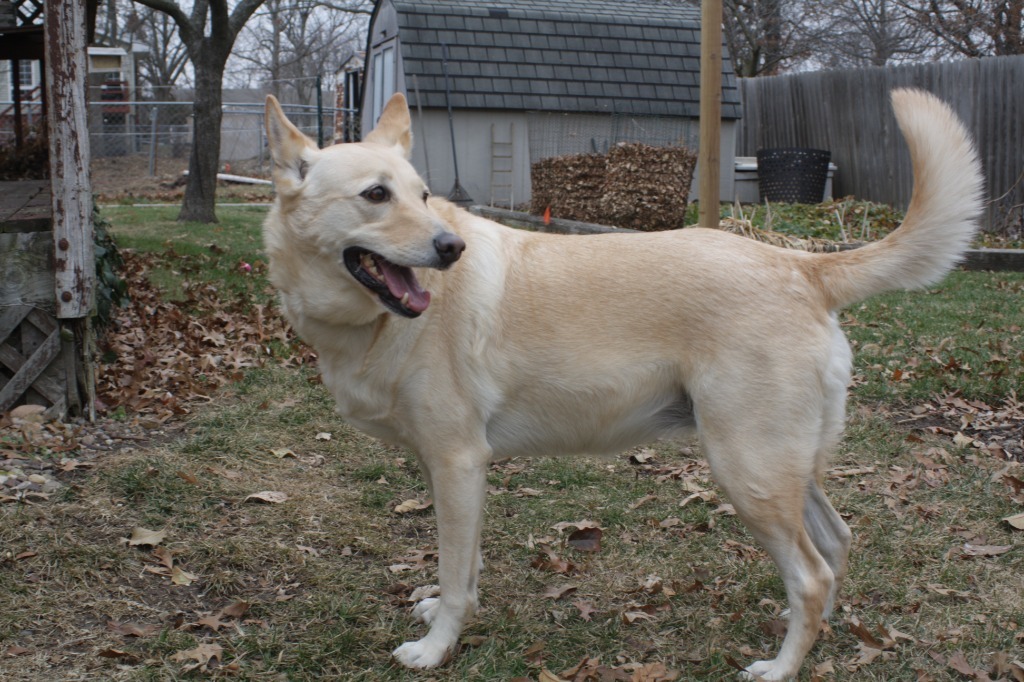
[{"x": 449, "y": 247}]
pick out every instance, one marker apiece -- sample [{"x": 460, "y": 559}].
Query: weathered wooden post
[
  {"x": 708, "y": 155},
  {"x": 71, "y": 191}
]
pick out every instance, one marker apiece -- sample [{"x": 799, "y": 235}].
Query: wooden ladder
[{"x": 502, "y": 163}]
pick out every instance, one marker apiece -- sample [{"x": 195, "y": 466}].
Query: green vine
[{"x": 111, "y": 290}]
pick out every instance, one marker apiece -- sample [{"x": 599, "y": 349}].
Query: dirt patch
[{"x": 124, "y": 179}]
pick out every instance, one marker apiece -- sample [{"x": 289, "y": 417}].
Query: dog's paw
[
  {"x": 765, "y": 670},
  {"x": 426, "y": 610},
  {"x": 421, "y": 655}
]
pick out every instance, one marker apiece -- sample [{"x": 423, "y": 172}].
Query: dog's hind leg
[
  {"x": 762, "y": 474},
  {"x": 830, "y": 535},
  {"x": 828, "y": 531},
  {"x": 458, "y": 484}
]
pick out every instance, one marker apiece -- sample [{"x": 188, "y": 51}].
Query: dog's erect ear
[
  {"x": 287, "y": 145},
  {"x": 394, "y": 129}
]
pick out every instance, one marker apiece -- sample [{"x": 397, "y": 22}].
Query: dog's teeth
[
  {"x": 405, "y": 298},
  {"x": 367, "y": 261}
]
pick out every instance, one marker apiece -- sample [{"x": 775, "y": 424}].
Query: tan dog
[{"x": 539, "y": 344}]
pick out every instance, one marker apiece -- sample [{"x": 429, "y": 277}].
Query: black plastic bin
[{"x": 792, "y": 176}]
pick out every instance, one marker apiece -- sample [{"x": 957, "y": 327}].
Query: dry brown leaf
[
  {"x": 124, "y": 656},
  {"x": 865, "y": 635},
  {"x": 958, "y": 662},
  {"x": 865, "y": 656},
  {"x": 586, "y": 539},
  {"x": 985, "y": 550},
  {"x": 642, "y": 457},
  {"x": 557, "y": 593},
  {"x": 643, "y": 500},
  {"x": 1017, "y": 521},
  {"x": 776, "y": 627},
  {"x": 819, "y": 671},
  {"x": 552, "y": 562},
  {"x": 548, "y": 676},
  {"x": 15, "y": 650},
  {"x": 144, "y": 537},
  {"x": 534, "y": 654},
  {"x": 188, "y": 477},
  {"x": 212, "y": 621},
  {"x": 267, "y": 496},
  {"x": 579, "y": 525},
  {"x": 411, "y": 506},
  {"x": 202, "y": 654},
  {"x": 654, "y": 672},
  {"x": 423, "y": 592},
  {"x": 527, "y": 492},
  {"x": 586, "y": 609},
  {"x": 165, "y": 556},
  {"x": 947, "y": 592},
  {"x": 181, "y": 577},
  {"x": 281, "y": 453},
  {"x": 634, "y": 615},
  {"x": 133, "y": 629},
  {"x": 236, "y": 609}
]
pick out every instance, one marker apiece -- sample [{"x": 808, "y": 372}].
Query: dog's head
[{"x": 361, "y": 206}]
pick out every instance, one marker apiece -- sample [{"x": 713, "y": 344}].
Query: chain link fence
[{"x": 161, "y": 131}]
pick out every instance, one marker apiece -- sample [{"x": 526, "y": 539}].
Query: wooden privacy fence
[{"x": 848, "y": 112}]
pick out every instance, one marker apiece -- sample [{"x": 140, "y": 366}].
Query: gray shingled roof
[{"x": 638, "y": 57}]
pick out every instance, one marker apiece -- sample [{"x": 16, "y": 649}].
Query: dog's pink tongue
[{"x": 402, "y": 281}]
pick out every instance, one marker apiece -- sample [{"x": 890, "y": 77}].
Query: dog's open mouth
[{"x": 395, "y": 285}]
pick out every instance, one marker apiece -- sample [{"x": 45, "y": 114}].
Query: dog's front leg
[{"x": 458, "y": 485}]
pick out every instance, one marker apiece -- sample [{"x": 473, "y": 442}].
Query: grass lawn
[{"x": 316, "y": 584}]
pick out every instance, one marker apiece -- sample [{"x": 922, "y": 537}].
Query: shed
[{"x": 537, "y": 78}]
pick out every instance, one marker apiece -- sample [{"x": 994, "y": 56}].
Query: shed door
[{"x": 384, "y": 65}]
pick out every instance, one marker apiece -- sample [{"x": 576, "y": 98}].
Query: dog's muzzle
[{"x": 396, "y": 285}]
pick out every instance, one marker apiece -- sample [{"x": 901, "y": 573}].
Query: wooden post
[
  {"x": 64, "y": 44},
  {"x": 708, "y": 155}
]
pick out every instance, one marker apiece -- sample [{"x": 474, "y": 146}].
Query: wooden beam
[
  {"x": 64, "y": 38},
  {"x": 709, "y": 154}
]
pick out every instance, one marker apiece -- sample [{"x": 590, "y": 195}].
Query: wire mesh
[{"x": 558, "y": 134}]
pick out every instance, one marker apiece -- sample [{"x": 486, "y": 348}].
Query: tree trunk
[{"x": 204, "y": 162}]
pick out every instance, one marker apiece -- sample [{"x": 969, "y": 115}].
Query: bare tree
[
  {"x": 764, "y": 36},
  {"x": 165, "y": 62},
  {"x": 208, "y": 33},
  {"x": 972, "y": 28},
  {"x": 290, "y": 42},
  {"x": 855, "y": 33}
]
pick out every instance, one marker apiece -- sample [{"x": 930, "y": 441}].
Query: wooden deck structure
[{"x": 47, "y": 262}]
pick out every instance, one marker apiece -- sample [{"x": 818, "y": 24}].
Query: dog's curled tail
[{"x": 941, "y": 219}]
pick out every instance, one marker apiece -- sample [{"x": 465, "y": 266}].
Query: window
[
  {"x": 25, "y": 74},
  {"x": 383, "y": 79},
  {"x": 28, "y": 74}
]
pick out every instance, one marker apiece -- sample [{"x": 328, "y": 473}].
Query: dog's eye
[
  {"x": 376, "y": 194},
  {"x": 426, "y": 195}
]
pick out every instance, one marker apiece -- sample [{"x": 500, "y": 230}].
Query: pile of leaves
[
  {"x": 159, "y": 355},
  {"x": 636, "y": 186},
  {"x": 570, "y": 186}
]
